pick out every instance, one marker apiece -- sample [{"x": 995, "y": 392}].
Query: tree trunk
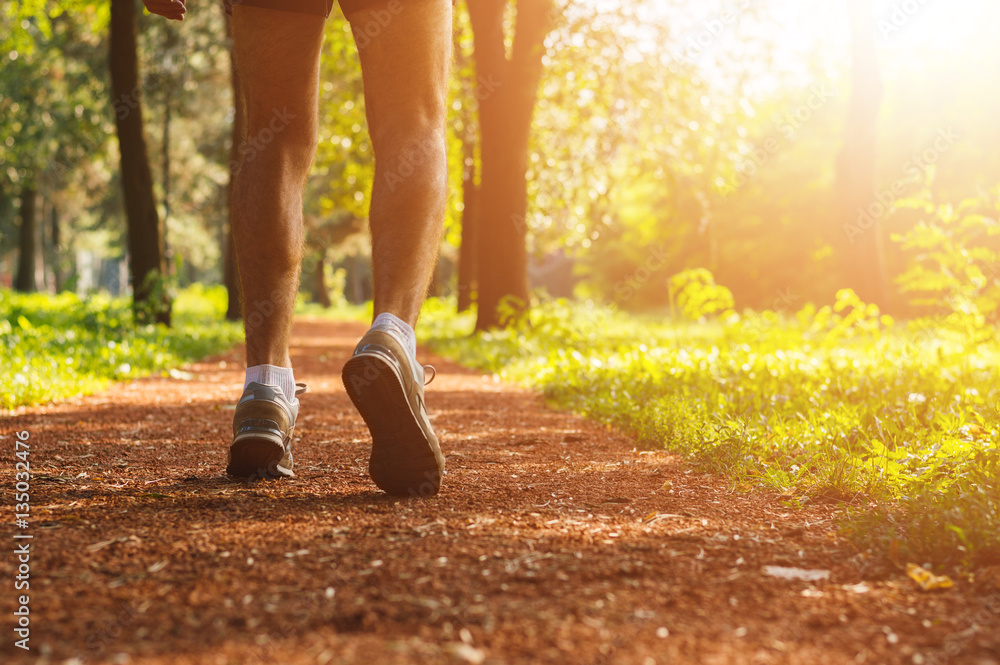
[
  {"x": 319, "y": 283},
  {"x": 857, "y": 211},
  {"x": 25, "y": 279},
  {"x": 165, "y": 178},
  {"x": 355, "y": 286},
  {"x": 231, "y": 275},
  {"x": 145, "y": 239},
  {"x": 508, "y": 89},
  {"x": 467, "y": 253},
  {"x": 42, "y": 249},
  {"x": 56, "y": 257}
]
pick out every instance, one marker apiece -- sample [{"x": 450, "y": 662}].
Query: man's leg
[
  {"x": 405, "y": 48},
  {"x": 277, "y": 54}
]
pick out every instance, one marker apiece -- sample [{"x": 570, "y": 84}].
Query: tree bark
[
  {"x": 231, "y": 275},
  {"x": 145, "y": 239},
  {"x": 319, "y": 283},
  {"x": 357, "y": 291},
  {"x": 25, "y": 278},
  {"x": 857, "y": 231},
  {"x": 467, "y": 253},
  {"x": 165, "y": 178},
  {"x": 508, "y": 90},
  {"x": 56, "y": 256}
]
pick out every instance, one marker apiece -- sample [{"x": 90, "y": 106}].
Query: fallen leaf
[{"x": 927, "y": 580}]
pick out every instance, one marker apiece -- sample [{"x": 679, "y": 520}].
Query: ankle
[
  {"x": 272, "y": 375},
  {"x": 400, "y": 329}
]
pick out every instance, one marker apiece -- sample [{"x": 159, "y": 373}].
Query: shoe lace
[
  {"x": 301, "y": 389},
  {"x": 433, "y": 374}
]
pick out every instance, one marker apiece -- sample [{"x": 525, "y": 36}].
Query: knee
[
  {"x": 283, "y": 137},
  {"x": 416, "y": 145}
]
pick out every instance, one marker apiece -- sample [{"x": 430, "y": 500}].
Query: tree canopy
[{"x": 657, "y": 137}]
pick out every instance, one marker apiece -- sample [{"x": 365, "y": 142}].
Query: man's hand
[{"x": 172, "y": 9}]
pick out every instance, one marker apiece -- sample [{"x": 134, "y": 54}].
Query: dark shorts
[{"x": 314, "y": 7}]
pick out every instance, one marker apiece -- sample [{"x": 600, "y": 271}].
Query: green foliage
[
  {"x": 954, "y": 258},
  {"x": 829, "y": 402},
  {"x": 61, "y": 346},
  {"x": 696, "y": 295},
  {"x": 159, "y": 291}
]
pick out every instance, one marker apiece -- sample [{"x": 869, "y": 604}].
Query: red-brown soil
[{"x": 552, "y": 541}]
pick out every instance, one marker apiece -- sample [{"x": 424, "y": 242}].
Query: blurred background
[{"x": 790, "y": 148}]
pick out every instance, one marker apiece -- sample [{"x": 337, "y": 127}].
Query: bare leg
[
  {"x": 405, "y": 63},
  {"x": 277, "y": 53}
]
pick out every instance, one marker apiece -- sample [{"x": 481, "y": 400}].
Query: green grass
[
  {"x": 898, "y": 421},
  {"x": 59, "y": 346}
]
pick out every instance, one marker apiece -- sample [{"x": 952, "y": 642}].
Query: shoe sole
[
  {"x": 403, "y": 461},
  {"x": 255, "y": 456}
]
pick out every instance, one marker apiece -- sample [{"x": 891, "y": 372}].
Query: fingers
[{"x": 172, "y": 9}]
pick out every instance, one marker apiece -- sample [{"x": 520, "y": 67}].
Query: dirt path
[{"x": 539, "y": 549}]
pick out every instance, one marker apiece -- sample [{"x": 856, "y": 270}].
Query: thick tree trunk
[
  {"x": 507, "y": 95},
  {"x": 24, "y": 281},
  {"x": 231, "y": 275},
  {"x": 857, "y": 214},
  {"x": 145, "y": 239}
]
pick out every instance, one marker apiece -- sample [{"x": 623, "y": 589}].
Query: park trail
[{"x": 553, "y": 540}]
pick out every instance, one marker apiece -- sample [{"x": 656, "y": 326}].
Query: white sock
[
  {"x": 400, "y": 329},
  {"x": 270, "y": 375}
]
